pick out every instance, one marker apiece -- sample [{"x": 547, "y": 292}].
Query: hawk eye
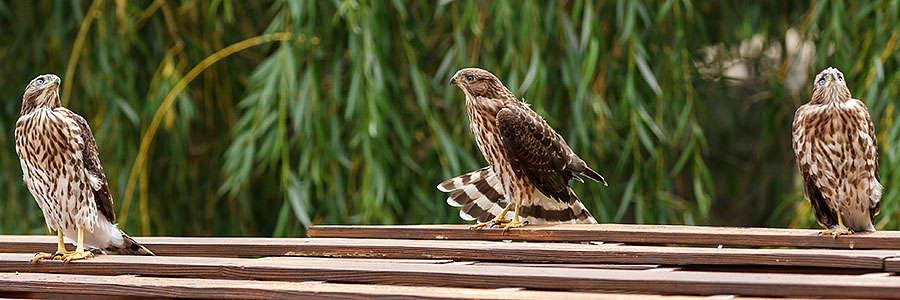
[
  {"x": 821, "y": 81},
  {"x": 470, "y": 79},
  {"x": 39, "y": 81}
]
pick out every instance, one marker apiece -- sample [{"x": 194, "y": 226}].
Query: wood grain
[
  {"x": 892, "y": 265},
  {"x": 472, "y": 276},
  {"x": 624, "y": 233},
  {"x": 245, "y": 289},
  {"x": 442, "y": 250}
]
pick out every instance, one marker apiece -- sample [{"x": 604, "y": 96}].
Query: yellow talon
[
  {"x": 498, "y": 220},
  {"x": 515, "y": 223},
  {"x": 835, "y": 233},
  {"x": 41, "y": 256},
  {"x": 61, "y": 252},
  {"x": 66, "y": 258}
]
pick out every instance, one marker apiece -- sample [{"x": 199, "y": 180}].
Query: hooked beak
[
  {"x": 453, "y": 80},
  {"x": 55, "y": 81}
]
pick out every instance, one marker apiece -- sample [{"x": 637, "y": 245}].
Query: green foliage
[{"x": 340, "y": 112}]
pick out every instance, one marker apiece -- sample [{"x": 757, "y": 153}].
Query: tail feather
[
  {"x": 476, "y": 193},
  {"x": 129, "y": 247},
  {"x": 479, "y": 195},
  {"x": 460, "y": 181},
  {"x": 541, "y": 209}
]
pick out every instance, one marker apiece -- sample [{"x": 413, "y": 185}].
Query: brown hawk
[
  {"x": 834, "y": 141},
  {"x": 529, "y": 164},
  {"x": 61, "y": 167}
]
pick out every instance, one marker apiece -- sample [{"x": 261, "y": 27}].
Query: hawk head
[
  {"x": 830, "y": 87},
  {"x": 41, "y": 91},
  {"x": 476, "y": 83}
]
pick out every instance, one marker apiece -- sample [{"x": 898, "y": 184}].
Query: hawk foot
[
  {"x": 838, "y": 229},
  {"x": 41, "y": 256},
  {"x": 58, "y": 255},
  {"x": 490, "y": 224},
  {"x": 75, "y": 255},
  {"x": 835, "y": 232},
  {"x": 514, "y": 224}
]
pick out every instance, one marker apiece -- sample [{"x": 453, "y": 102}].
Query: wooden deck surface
[{"x": 451, "y": 262}]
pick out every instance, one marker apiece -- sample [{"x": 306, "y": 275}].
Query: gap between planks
[
  {"x": 473, "y": 276},
  {"x": 489, "y": 251},
  {"x": 623, "y": 233}
]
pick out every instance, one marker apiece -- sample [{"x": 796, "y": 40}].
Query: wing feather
[
  {"x": 93, "y": 169},
  {"x": 537, "y": 151},
  {"x": 872, "y": 153},
  {"x": 801, "y": 127}
]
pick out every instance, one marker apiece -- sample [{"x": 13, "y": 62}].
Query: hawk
[
  {"x": 834, "y": 141},
  {"x": 61, "y": 168},
  {"x": 529, "y": 164}
]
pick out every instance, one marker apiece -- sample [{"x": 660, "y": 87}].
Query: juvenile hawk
[
  {"x": 61, "y": 167},
  {"x": 834, "y": 141},
  {"x": 529, "y": 164}
]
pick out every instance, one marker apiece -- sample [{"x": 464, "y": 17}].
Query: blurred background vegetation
[{"x": 258, "y": 118}]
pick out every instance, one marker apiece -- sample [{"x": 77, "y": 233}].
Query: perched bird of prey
[
  {"x": 61, "y": 167},
  {"x": 834, "y": 141},
  {"x": 529, "y": 164}
]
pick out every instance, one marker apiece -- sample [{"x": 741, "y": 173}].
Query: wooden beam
[
  {"x": 490, "y": 251},
  {"x": 472, "y": 276},
  {"x": 624, "y": 233},
  {"x": 131, "y": 286}
]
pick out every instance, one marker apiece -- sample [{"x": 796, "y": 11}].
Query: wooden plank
[
  {"x": 572, "y": 266},
  {"x": 473, "y": 276},
  {"x": 592, "y": 254},
  {"x": 892, "y": 264},
  {"x": 497, "y": 251},
  {"x": 528, "y": 252},
  {"x": 65, "y": 284},
  {"x": 624, "y": 233}
]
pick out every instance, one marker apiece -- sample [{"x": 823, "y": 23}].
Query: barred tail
[
  {"x": 479, "y": 195},
  {"x": 541, "y": 209},
  {"x": 128, "y": 247}
]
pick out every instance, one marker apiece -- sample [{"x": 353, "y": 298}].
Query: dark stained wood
[
  {"x": 624, "y": 233},
  {"x": 244, "y": 289},
  {"x": 497, "y": 251},
  {"x": 472, "y": 276}
]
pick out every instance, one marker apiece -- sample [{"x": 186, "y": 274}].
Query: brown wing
[
  {"x": 803, "y": 150},
  {"x": 871, "y": 152},
  {"x": 537, "y": 151},
  {"x": 91, "y": 160}
]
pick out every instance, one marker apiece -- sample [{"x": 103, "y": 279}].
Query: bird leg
[
  {"x": 60, "y": 250},
  {"x": 498, "y": 220},
  {"x": 515, "y": 223},
  {"x": 840, "y": 229},
  {"x": 79, "y": 252}
]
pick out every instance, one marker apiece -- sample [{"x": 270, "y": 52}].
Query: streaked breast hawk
[
  {"x": 529, "y": 164},
  {"x": 834, "y": 141},
  {"x": 61, "y": 168}
]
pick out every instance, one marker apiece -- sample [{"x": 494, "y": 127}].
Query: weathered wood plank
[
  {"x": 473, "y": 276},
  {"x": 495, "y": 251},
  {"x": 892, "y": 264},
  {"x": 624, "y": 233},
  {"x": 64, "y": 284}
]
